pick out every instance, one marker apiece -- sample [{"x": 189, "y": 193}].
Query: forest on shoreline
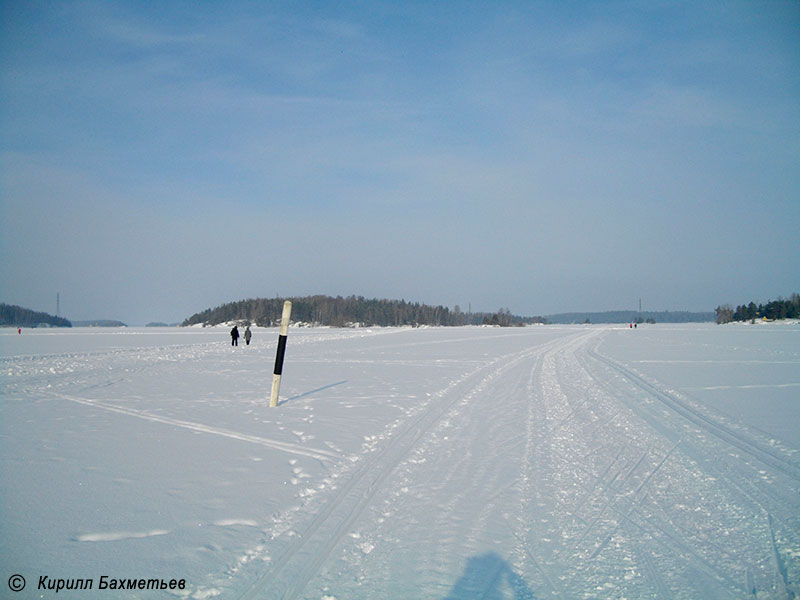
[
  {"x": 340, "y": 312},
  {"x": 773, "y": 310},
  {"x": 17, "y": 316}
]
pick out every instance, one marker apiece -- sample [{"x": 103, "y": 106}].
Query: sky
[{"x": 158, "y": 159}]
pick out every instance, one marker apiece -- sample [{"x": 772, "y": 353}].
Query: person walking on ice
[
  {"x": 247, "y": 335},
  {"x": 235, "y": 336}
]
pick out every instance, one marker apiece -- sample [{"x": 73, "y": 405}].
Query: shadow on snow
[
  {"x": 308, "y": 393},
  {"x": 489, "y": 577}
]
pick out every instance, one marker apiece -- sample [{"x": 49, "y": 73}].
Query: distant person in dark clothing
[
  {"x": 235, "y": 336},
  {"x": 247, "y": 335}
]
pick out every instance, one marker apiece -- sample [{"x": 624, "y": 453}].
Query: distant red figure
[{"x": 19, "y": 330}]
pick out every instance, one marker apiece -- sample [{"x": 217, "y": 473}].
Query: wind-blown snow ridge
[{"x": 115, "y": 536}]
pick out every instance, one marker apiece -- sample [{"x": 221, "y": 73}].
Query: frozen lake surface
[{"x": 446, "y": 463}]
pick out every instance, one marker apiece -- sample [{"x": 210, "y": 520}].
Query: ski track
[
  {"x": 610, "y": 525},
  {"x": 719, "y": 453},
  {"x": 559, "y": 470},
  {"x": 296, "y": 449},
  {"x": 291, "y": 572}
]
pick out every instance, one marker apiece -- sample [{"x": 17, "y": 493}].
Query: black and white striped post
[{"x": 276, "y": 376}]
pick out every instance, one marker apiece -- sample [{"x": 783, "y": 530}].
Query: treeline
[
  {"x": 632, "y": 316},
  {"x": 99, "y": 323},
  {"x": 16, "y": 316},
  {"x": 772, "y": 311},
  {"x": 341, "y": 312}
]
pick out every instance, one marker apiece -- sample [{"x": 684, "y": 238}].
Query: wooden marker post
[{"x": 276, "y": 376}]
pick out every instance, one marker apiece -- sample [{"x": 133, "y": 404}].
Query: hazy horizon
[
  {"x": 465, "y": 309},
  {"x": 158, "y": 160}
]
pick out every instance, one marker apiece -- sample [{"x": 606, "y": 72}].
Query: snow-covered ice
[{"x": 443, "y": 463}]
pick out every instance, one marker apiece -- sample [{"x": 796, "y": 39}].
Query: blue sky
[{"x": 157, "y": 159}]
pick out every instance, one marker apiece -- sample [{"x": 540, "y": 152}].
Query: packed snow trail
[
  {"x": 550, "y": 464},
  {"x": 460, "y": 463},
  {"x": 344, "y": 513}
]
